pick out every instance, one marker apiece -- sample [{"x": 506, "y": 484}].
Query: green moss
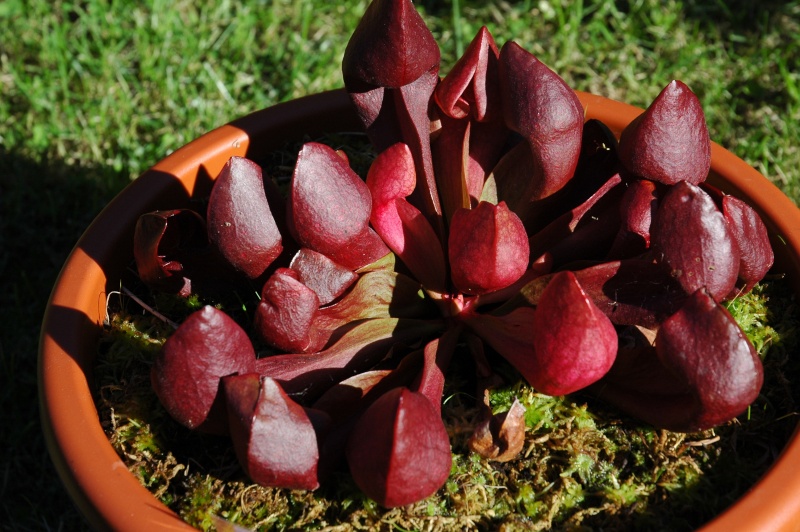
[{"x": 583, "y": 465}]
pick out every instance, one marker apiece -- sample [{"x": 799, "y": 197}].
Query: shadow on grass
[{"x": 44, "y": 207}]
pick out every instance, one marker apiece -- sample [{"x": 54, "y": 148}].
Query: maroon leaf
[
  {"x": 437, "y": 356},
  {"x": 451, "y": 162},
  {"x": 378, "y": 294},
  {"x": 346, "y": 401},
  {"x": 750, "y": 234},
  {"x": 186, "y": 373},
  {"x": 464, "y": 153},
  {"x": 390, "y": 69},
  {"x": 358, "y": 350},
  {"x": 285, "y": 316},
  {"x": 163, "y": 244},
  {"x": 329, "y": 209},
  {"x": 240, "y": 223},
  {"x": 471, "y": 87},
  {"x": 669, "y": 142},
  {"x": 692, "y": 238},
  {"x": 391, "y": 179},
  {"x": 342, "y": 399},
  {"x": 597, "y": 163},
  {"x": 629, "y": 292},
  {"x": 273, "y": 436},
  {"x": 574, "y": 342},
  {"x": 390, "y": 47},
  {"x": 564, "y": 239},
  {"x": 318, "y": 272},
  {"x": 637, "y": 207},
  {"x": 703, "y": 345},
  {"x": 703, "y": 372},
  {"x": 511, "y": 335},
  {"x": 399, "y": 451},
  {"x": 488, "y": 248},
  {"x": 538, "y": 105}
]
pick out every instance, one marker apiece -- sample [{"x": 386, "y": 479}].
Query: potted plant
[{"x": 424, "y": 205}]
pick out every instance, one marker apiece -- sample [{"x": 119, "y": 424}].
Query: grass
[{"x": 92, "y": 93}]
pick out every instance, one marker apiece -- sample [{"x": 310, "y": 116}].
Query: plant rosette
[{"x": 496, "y": 222}]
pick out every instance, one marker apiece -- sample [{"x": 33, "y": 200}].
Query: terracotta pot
[{"x": 96, "y": 478}]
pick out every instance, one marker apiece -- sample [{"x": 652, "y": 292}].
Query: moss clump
[{"x": 583, "y": 465}]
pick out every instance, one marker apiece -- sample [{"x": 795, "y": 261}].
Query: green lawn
[{"x": 93, "y": 92}]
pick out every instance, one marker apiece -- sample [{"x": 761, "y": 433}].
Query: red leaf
[
  {"x": 451, "y": 162},
  {"x": 286, "y": 314},
  {"x": 402, "y": 226},
  {"x": 692, "y": 237},
  {"x": 273, "y": 436},
  {"x": 399, "y": 451},
  {"x": 240, "y": 223},
  {"x": 390, "y": 47},
  {"x": 637, "y": 206},
  {"x": 538, "y": 105},
  {"x": 510, "y": 335},
  {"x": 488, "y": 248},
  {"x": 564, "y": 238},
  {"x": 329, "y": 209},
  {"x": 629, "y": 292},
  {"x": 378, "y": 294},
  {"x": 703, "y": 346},
  {"x": 318, "y": 272},
  {"x": 342, "y": 399},
  {"x": 358, "y": 350},
  {"x": 669, "y": 142},
  {"x": 750, "y": 234},
  {"x": 597, "y": 164},
  {"x": 437, "y": 356},
  {"x": 390, "y": 68},
  {"x": 186, "y": 373},
  {"x": 471, "y": 87},
  {"x": 164, "y": 244},
  {"x": 574, "y": 342},
  {"x": 702, "y": 373}
]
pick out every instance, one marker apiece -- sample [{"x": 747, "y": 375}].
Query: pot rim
[{"x": 99, "y": 483}]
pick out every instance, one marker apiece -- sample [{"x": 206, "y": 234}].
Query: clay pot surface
[{"x": 96, "y": 478}]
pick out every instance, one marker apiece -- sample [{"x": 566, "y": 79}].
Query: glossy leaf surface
[
  {"x": 390, "y": 47},
  {"x": 399, "y": 451},
  {"x": 330, "y": 208},
  {"x": 391, "y": 179},
  {"x": 575, "y": 344},
  {"x": 636, "y": 207},
  {"x": 691, "y": 237},
  {"x": 703, "y": 345},
  {"x": 629, "y": 292},
  {"x": 488, "y": 248},
  {"x": 471, "y": 87},
  {"x": 286, "y": 313},
  {"x": 240, "y": 222},
  {"x": 322, "y": 275},
  {"x": 703, "y": 371},
  {"x": 669, "y": 142},
  {"x": 750, "y": 234},
  {"x": 273, "y": 436},
  {"x": 538, "y": 105},
  {"x": 186, "y": 373}
]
